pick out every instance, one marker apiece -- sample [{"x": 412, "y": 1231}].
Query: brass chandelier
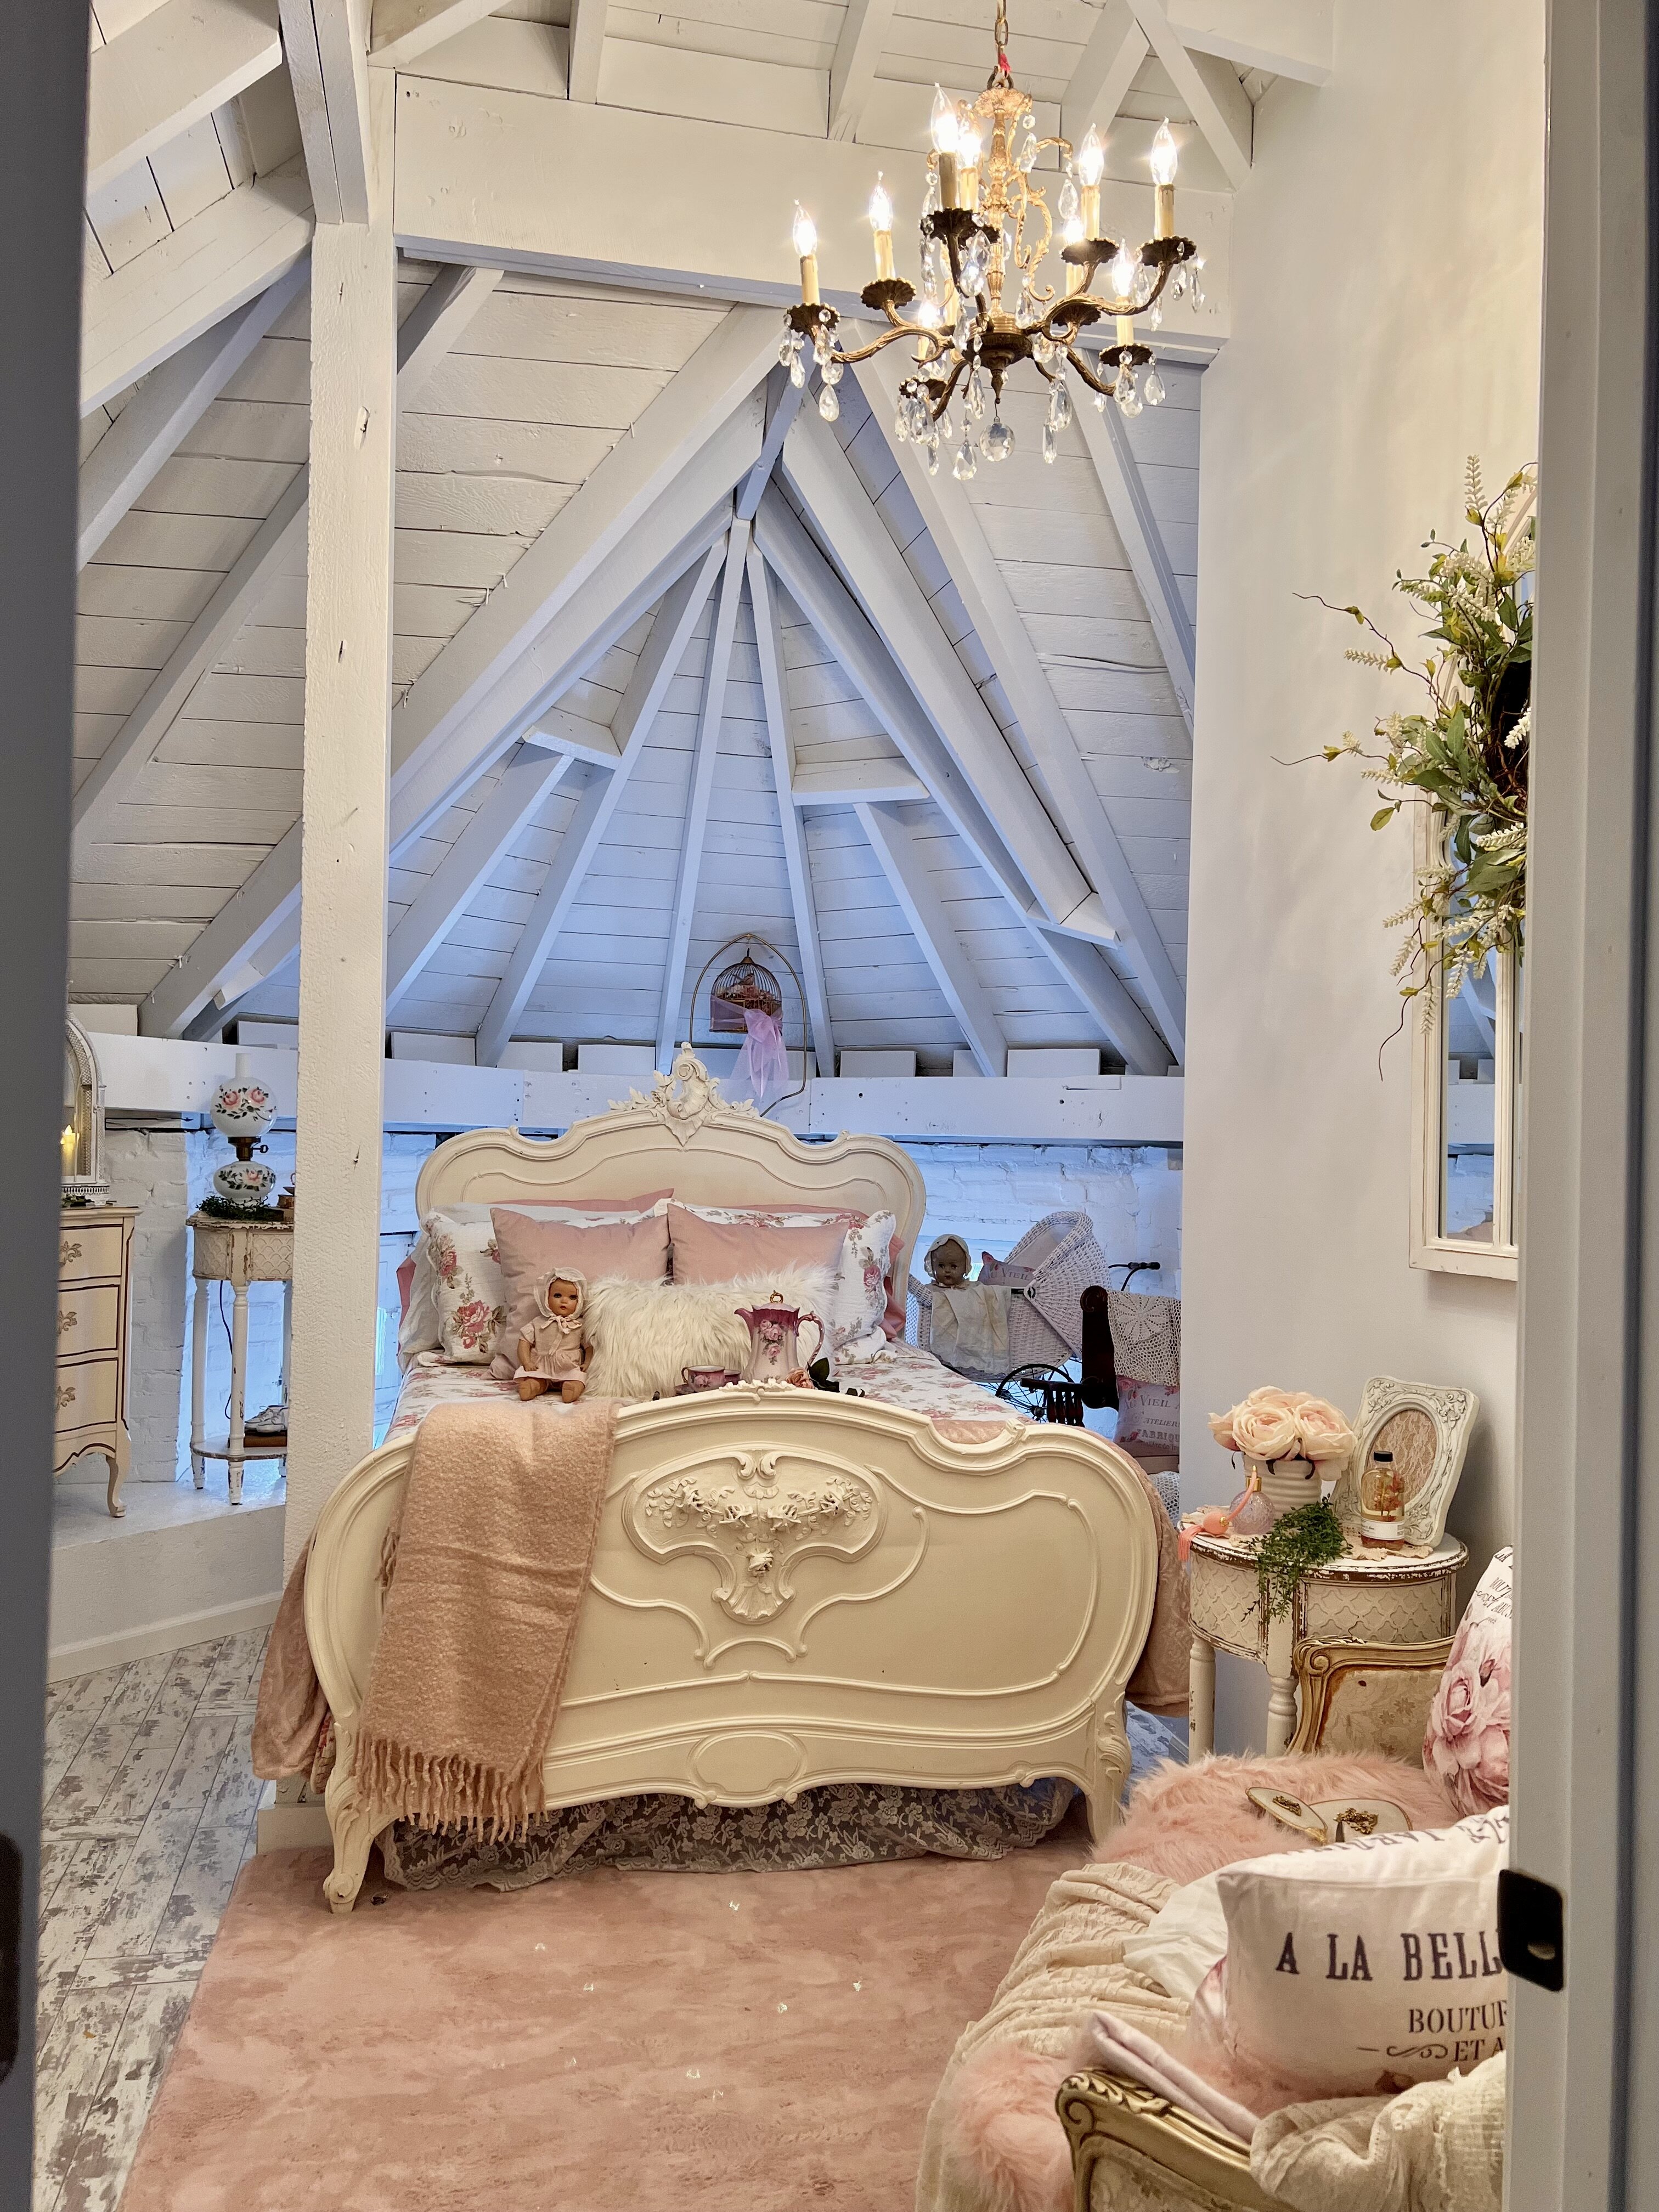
[{"x": 986, "y": 230}]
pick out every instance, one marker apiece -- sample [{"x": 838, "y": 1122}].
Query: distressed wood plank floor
[{"x": 149, "y": 1805}]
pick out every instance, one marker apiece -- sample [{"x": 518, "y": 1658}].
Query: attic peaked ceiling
[{"x": 671, "y": 661}]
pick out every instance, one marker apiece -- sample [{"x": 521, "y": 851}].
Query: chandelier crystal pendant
[{"x": 986, "y": 231}]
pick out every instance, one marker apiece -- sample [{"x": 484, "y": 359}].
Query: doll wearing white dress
[{"x": 554, "y": 1351}]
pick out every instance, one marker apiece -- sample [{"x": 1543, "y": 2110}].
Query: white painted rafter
[
  {"x": 1283, "y": 37},
  {"x": 326, "y": 45},
  {"x": 587, "y": 48},
  {"x": 172, "y": 68},
  {"x": 828, "y": 486},
  {"x": 852, "y": 68},
  {"x": 657, "y": 664},
  {"x": 217, "y": 262},
  {"x": 1136, "y": 524},
  {"x": 166, "y": 407},
  {"x": 1220, "y": 106},
  {"x": 852, "y": 781},
  {"x": 526, "y": 781},
  {"x": 710, "y": 717},
  {"x": 894, "y": 847},
  {"x": 453, "y": 297},
  {"x": 775, "y": 696},
  {"x": 845, "y": 629},
  {"x": 1103, "y": 72},
  {"x": 952, "y": 522},
  {"x": 783, "y": 404}
]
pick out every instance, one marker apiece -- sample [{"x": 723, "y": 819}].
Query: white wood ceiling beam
[
  {"x": 853, "y": 68},
  {"x": 212, "y": 264},
  {"x": 326, "y": 42},
  {"x": 453, "y": 297},
  {"x": 775, "y": 696},
  {"x": 841, "y": 622},
  {"x": 783, "y": 402},
  {"x": 166, "y": 407},
  {"x": 1086, "y": 970},
  {"x": 1104, "y": 71},
  {"x": 403, "y": 30},
  {"x": 710, "y": 718},
  {"x": 659, "y": 662},
  {"x": 854, "y": 782},
  {"x": 561, "y": 730},
  {"x": 473, "y": 165},
  {"x": 1136, "y": 524},
  {"x": 952, "y": 522},
  {"x": 828, "y": 487},
  {"x": 1219, "y": 104},
  {"x": 1283, "y": 37},
  {"x": 173, "y": 67},
  {"x": 587, "y": 48},
  {"x": 901, "y": 864},
  {"x": 526, "y": 781},
  {"x": 693, "y": 443}
]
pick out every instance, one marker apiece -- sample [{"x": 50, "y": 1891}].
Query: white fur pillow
[{"x": 643, "y": 1334}]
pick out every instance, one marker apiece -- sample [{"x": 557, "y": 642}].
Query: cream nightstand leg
[
  {"x": 1281, "y": 1678},
  {"x": 198, "y": 1382},
  {"x": 238, "y": 1390},
  {"x": 1201, "y": 1705}
]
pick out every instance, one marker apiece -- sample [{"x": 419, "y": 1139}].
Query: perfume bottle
[{"x": 1383, "y": 1503}]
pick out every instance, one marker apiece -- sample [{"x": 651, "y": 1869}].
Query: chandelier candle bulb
[
  {"x": 881, "y": 224},
  {"x": 946, "y": 132},
  {"x": 1125, "y": 330},
  {"x": 1090, "y": 167},
  {"x": 1165, "y": 157},
  {"x": 807, "y": 246}
]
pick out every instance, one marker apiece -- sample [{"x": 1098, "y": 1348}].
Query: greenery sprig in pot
[
  {"x": 1464, "y": 749},
  {"x": 1306, "y": 1537}
]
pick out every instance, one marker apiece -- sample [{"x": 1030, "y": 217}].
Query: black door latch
[{"x": 1530, "y": 1931}]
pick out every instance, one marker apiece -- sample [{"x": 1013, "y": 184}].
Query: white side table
[
  {"x": 1380, "y": 1598},
  {"x": 238, "y": 1252}
]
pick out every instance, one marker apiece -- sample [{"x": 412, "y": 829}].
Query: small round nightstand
[
  {"x": 1378, "y": 1598},
  {"x": 238, "y": 1252}
]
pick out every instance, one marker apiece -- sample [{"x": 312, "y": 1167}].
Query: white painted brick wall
[{"x": 991, "y": 1194}]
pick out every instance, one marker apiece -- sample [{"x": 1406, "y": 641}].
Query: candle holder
[{"x": 81, "y": 1143}]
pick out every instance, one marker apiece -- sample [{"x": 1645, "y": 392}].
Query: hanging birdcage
[{"x": 744, "y": 988}]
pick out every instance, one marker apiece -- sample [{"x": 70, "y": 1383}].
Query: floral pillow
[
  {"x": 1466, "y": 1746},
  {"x": 859, "y": 1300},
  {"x": 467, "y": 1288}
]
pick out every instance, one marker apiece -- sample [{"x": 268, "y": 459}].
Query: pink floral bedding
[{"x": 904, "y": 1376}]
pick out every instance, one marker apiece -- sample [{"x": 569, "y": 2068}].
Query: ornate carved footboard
[{"x": 792, "y": 1589}]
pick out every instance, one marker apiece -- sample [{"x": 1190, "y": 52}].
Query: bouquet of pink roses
[{"x": 1271, "y": 1424}]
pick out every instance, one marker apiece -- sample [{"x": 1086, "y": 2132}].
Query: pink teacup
[{"x": 705, "y": 1378}]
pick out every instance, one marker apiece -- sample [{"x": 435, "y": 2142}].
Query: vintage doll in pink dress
[{"x": 553, "y": 1353}]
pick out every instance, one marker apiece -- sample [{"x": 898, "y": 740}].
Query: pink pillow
[
  {"x": 1466, "y": 1746},
  {"x": 530, "y": 1250},
  {"x": 707, "y": 1251}
]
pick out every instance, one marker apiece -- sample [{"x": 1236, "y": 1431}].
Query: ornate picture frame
[{"x": 1428, "y": 1426}]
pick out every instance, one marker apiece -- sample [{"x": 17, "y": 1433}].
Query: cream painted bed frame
[{"x": 888, "y": 1605}]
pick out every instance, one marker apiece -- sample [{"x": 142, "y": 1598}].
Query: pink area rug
[{"x": 698, "y": 2042}]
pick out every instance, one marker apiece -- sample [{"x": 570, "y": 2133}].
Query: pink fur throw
[
  {"x": 1184, "y": 1822},
  {"x": 1005, "y": 2131}
]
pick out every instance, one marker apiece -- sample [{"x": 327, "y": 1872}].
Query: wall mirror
[{"x": 1466, "y": 1072}]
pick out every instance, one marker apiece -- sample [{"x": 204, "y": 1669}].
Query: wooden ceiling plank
[
  {"x": 403, "y": 30},
  {"x": 166, "y": 407},
  {"x": 710, "y": 717},
  {"x": 952, "y": 522},
  {"x": 1136, "y": 524},
  {"x": 930, "y": 924},
  {"x": 171, "y": 70},
  {"x": 164, "y": 297},
  {"x": 853, "y": 71},
  {"x": 775, "y": 696}
]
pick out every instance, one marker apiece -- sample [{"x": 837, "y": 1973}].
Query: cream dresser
[{"x": 94, "y": 1256}]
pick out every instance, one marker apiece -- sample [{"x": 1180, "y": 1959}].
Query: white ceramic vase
[{"x": 1288, "y": 1482}]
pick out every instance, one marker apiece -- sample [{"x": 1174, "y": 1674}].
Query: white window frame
[{"x": 1430, "y": 1247}]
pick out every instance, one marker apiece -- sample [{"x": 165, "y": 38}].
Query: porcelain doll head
[
  {"x": 948, "y": 1261},
  {"x": 564, "y": 1295}
]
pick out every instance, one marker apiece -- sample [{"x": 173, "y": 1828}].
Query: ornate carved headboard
[{"x": 682, "y": 1134}]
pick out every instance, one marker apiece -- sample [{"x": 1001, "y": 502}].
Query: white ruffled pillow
[{"x": 643, "y": 1334}]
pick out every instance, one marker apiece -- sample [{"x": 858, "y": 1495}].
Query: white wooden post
[{"x": 336, "y": 1228}]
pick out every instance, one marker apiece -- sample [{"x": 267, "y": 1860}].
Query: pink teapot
[{"x": 773, "y": 1329}]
